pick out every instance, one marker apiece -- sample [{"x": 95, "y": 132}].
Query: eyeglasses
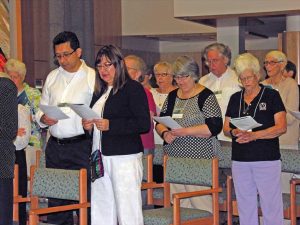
[
  {"x": 271, "y": 63},
  {"x": 212, "y": 61},
  {"x": 244, "y": 79},
  {"x": 105, "y": 66},
  {"x": 181, "y": 77},
  {"x": 64, "y": 55},
  {"x": 161, "y": 74},
  {"x": 131, "y": 68}
]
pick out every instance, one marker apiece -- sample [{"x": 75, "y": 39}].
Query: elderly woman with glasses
[
  {"x": 256, "y": 164},
  {"x": 196, "y": 109},
  {"x": 165, "y": 82},
  {"x": 275, "y": 62}
]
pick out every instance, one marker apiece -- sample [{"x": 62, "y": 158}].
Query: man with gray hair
[{"x": 222, "y": 80}]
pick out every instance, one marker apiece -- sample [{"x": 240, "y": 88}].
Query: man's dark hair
[
  {"x": 290, "y": 66},
  {"x": 66, "y": 36}
]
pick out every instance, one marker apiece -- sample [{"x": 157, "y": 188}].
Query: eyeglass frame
[
  {"x": 106, "y": 66},
  {"x": 213, "y": 61},
  {"x": 165, "y": 74},
  {"x": 181, "y": 77},
  {"x": 271, "y": 63},
  {"x": 63, "y": 55},
  {"x": 249, "y": 78}
]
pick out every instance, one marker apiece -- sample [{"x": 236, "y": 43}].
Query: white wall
[
  {"x": 255, "y": 44},
  {"x": 156, "y": 17}
]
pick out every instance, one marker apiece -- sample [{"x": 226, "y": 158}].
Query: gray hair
[
  {"x": 139, "y": 63},
  {"x": 247, "y": 61},
  {"x": 14, "y": 65},
  {"x": 185, "y": 65},
  {"x": 224, "y": 50}
]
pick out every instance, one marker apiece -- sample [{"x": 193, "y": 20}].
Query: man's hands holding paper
[{"x": 48, "y": 120}]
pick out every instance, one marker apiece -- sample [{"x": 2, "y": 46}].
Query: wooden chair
[
  {"x": 202, "y": 172},
  {"x": 16, "y": 194},
  {"x": 61, "y": 184},
  {"x": 148, "y": 176}
]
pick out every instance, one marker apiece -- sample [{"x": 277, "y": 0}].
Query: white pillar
[{"x": 230, "y": 31}]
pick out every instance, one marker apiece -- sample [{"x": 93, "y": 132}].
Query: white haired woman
[
  {"x": 275, "y": 62},
  {"x": 256, "y": 165}
]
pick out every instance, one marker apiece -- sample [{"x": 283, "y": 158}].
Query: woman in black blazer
[{"x": 122, "y": 105}]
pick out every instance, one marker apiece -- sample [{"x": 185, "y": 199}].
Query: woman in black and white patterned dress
[{"x": 196, "y": 109}]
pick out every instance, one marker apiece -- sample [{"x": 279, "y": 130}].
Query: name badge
[
  {"x": 177, "y": 113},
  {"x": 177, "y": 116}
]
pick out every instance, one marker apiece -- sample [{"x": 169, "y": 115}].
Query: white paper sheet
[
  {"x": 245, "y": 123},
  {"x": 295, "y": 114},
  {"x": 84, "y": 111},
  {"x": 167, "y": 121},
  {"x": 53, "y": 112}
]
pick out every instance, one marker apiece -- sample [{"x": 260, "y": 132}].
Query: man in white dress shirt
[
  {"x": 221, "y": 80},
  {"x": 73, "y": 82}
]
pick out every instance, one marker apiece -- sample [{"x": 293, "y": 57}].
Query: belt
[{"x": 62, "y": 141}]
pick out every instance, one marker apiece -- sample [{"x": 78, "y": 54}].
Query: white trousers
[{"x": 116, "y": 197}]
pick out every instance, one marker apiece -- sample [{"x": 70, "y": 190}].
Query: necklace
[
  {"x": 246, "y": 109},
  {"x": 161, "y": 99},
  {"x": 187, "y": 99}
]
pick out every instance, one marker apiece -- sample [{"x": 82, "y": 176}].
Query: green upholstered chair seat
[
  {"x": 287, "y": 201},
  {"x": 145, "y": 168},
  {"x": 158, "y": 193},
  {"x": 223, "y": 196},
  {"x": 158, "y": 155},
  {"x": 224, "y": 155},
  {"x": 186, "y": 171},
  {"x": 164, "y": 216},
  {"x": 290, "y": 161},
  {"x": 56, "y": 183}
]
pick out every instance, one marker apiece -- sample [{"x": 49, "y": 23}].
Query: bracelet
[
  {"x": 162, "y": 133},
  {"x": 231, "y": 133}
]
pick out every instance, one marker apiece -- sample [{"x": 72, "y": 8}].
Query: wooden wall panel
[
  {"x": 35, "y": 38},
  {"x": 291, "y": 47},
  {"x": 107, "y": 22}
]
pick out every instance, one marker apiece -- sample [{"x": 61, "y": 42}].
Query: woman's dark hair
[
  {"x": 290, "y": 66},
  {"x": 114, "y": 56}
]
